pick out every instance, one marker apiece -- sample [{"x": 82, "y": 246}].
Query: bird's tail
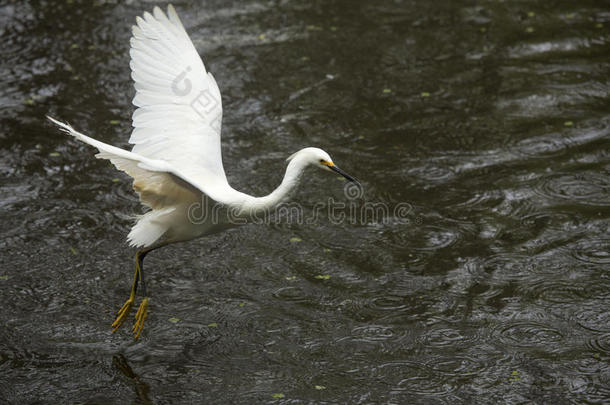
[
  {"x": 153, "y": 187},
  {"x": 150, "y": 227}
]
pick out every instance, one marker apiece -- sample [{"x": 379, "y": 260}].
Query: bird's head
[{"x": 319, "y": 158}]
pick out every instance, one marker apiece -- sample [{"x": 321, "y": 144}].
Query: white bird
[{"x": 176, "y": 161}]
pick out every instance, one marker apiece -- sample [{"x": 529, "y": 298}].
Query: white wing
[{"x": 179, "y": 112}]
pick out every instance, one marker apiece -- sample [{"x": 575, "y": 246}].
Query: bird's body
[{"x": 176, "y": 161}]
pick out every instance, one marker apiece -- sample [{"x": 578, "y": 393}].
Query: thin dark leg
[
  {"x": 143, "y": 310},
  {"x": 137, "y": 279},
  {"x": 140, "y": 255}
]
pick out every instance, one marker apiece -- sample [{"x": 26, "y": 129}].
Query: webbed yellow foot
[
  {"x": 140, "y": 318},
  {"x": 122, "y": 314}
]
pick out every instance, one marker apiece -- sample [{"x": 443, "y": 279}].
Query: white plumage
[{"x": 176, "y": 159}]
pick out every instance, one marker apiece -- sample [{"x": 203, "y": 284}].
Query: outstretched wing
[{"x": 179, "y": 112}]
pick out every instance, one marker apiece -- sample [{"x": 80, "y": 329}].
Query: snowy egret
[{"x": 176, "y": 158}]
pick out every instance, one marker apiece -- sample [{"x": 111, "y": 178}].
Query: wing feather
[{"x": 179, "y": 104}]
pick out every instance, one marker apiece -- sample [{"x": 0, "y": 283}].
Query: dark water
[{"x": 487, "y": 122}]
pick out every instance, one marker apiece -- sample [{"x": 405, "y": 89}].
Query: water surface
[{"x": 486, "y": 123}]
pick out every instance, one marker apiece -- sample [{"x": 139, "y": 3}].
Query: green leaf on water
[
  {"x": 425, "y": 94},
  {"x": 277, "y": 395},
  {"x": 320, "y": 387},
  {"x": 529, "y": 29},
  {"x": 295, "y": 240},
  {"x": 261, "y": 37},
  {"x": 568, "y": 123},
  {"x": 515, "y": 376},
  {"x": 29, "y": 101},
  {"x": 212, "y": 325},
  {"x": 4, "y": 277},
  {"x": 322, "y": 276},
  {"x": 114, "y": 122},
  {"x": 530, "y": 14},
  {"x": 116, "y": 180},
  {"x": 242, "y": 304},
  {"x": 74, "y": 252},
  {"x": 54, "y": 154},
  {"x": 174, "y": 320},
  {"x": 291, "y": 278},
  {"x": 326, "y": 250},
  {"x": 333, "y": 28},
  {"x": 387, "y": 91},
  {"x": 74, "y": 46}
]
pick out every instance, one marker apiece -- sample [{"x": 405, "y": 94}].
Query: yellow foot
[
  {"x": 122, "y": 315},
  {"x": 140, "y": 318}
]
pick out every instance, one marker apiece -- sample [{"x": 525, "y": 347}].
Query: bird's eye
[{"x": 321, "y": 160}]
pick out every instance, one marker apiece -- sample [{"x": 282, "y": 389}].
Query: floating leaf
[
  {"x": 74, "y": 252},
  {"x": 530, "y": 14},
  {"x": 529, "y": 29},
  {"x": 314, "y": 28},
  {"x": 277, "y": 395},
  {"x": 514, "y": 376},
  {"x": 174, "y": 320},
  {"x": 333, "y": 28},
  {"x": 291, "y": 278},
  {"x": 212, "y": 325},
  {"x": 599, "y": 25},
  {"x": 483, "y": 29},
  {"x": 320, "y": 387},
  {"x": 74, "y": 46},
  {"x": 261, "y": 37},
  {"x": 54, "y": 154},
  {"x": 327, "y": 250},
  {"x": 114, "y": 122},
  {"x": 425, "y": 94},
  {"x": 295, "y": 240},
  {"x": 322, "y": 276},
  {"x": 4, "y": 277},
  {"x": 29, "y": 101},
  {"x": 242, "y": 304},
  {"x": 116, "y": 180},
  {"x": 387, "y": 91},
  {"x": 568, "y": 123}
]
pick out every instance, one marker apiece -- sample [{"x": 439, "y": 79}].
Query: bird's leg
[
  {"x": 126, "y": 308},
  {"x": 138, "y": 277},
  {"x": 143, "y": 309}
]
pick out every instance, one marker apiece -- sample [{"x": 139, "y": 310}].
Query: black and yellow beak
[{"x": 335, "y": 168}]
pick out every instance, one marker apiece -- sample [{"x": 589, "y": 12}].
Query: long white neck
[{"x": 282, "y": 192}]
